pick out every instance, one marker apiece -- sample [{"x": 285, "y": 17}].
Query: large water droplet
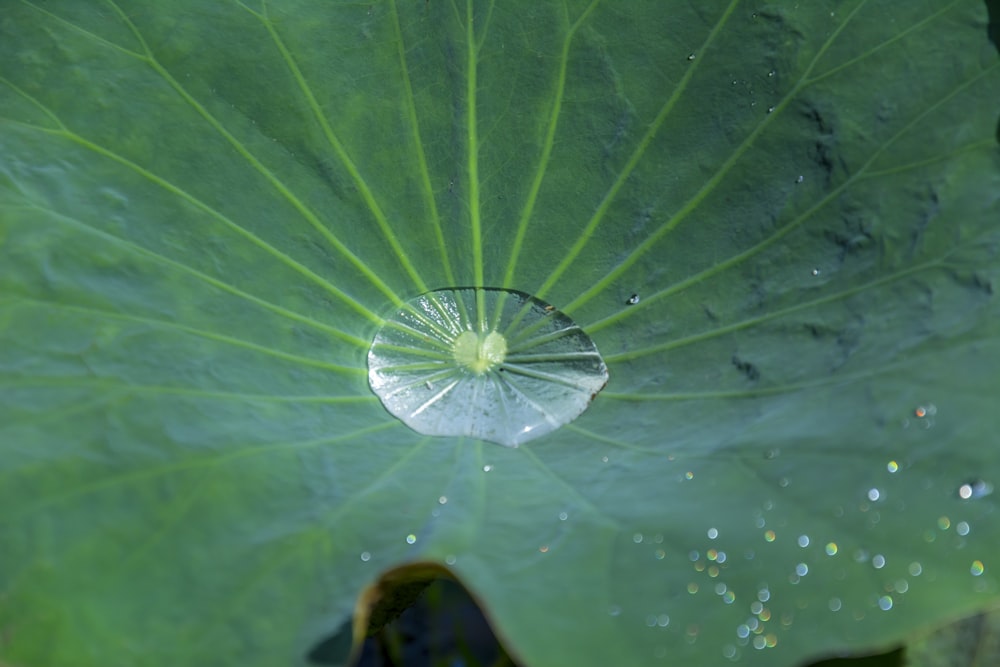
[{"x": 493, "y": 364}]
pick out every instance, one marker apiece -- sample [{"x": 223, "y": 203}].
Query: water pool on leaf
[{"x": 497, "y": 365}]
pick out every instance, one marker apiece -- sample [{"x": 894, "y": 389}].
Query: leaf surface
[{"x": 208, "y": 209}]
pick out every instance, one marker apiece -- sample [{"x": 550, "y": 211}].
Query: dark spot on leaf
[{"x": 748, "y": 369}]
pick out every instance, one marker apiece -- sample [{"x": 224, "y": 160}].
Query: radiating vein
[
  {"x": 192, "y": 463},
  {"x": 271, "y": 178},
  {"x": 214, "y": 282},
  {"x": 177, "y": 191},
  {"x": 424, "y": 171},
  {"x": 861, "y": 174},
  {"x": 209, "y": 335},
  {"x": 547, "y": 145},
  {"x": 710, "y": 185},
  {"x": 352, "y": 169},
  {"x": 472, "y": 143},
  {"x": 196, "y": 632},
  {"x": 587, "y": 232},
  {"x": 744, "y": 324}
]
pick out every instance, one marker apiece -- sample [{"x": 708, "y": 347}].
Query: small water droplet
[
  {"x": 692, "y": 588},
  {"x": 632, "y": 300},
  {"x": 944, "y": 523},
  {"x": 815, "y": 272},
  {"x": 770, "y": 109},
  {"x": 803, "y": 541},
  {"x": 487, "y": 468},
  {"x": 974, "y": 489},
  {"x": 831, "y": 549},
  {"x": 713, "y": 533},
  {"x": 692, "y": 56},
  {"x": 614, "y": 610},
  {"x": 802, "y": 569},
  {"x": 771, "y": 73},
  {"x": 411, "y": 538},
  {"x": 764, "y": 594},
  {"x": 885, "y": 602},
  {"x": 442, "y": 500},
  {"x": 873, "y": 494},
  {"x": 769, "y": 535},
  {"x": 901, "y": 586},
  {"x": 663, "y": 620},
  {"x": 915, "y": 569},
  {"x": 878, "y": 561},
  {"x": 563, "y": 516},
  {"x": 365, "y": 556},
  {"x": 450, "y": 559},
  {"x": 962, "y": 528},
  {"x": 977, "y": 568},
  {"x": 637, "y": 538},
  {"x": 892, "y": 466},
  {"x": 800, "y": 179},
  {"x": 834, "y": 604}
]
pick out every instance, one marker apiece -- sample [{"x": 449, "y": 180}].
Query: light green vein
[
  {"x": 472, "y": 142},
  {"x": 902, "y": 34},
  {"x": 829, "y": 381},
  {"x": 710, "y": 185},
  {"x": 199, "y": 631},
  {"x": 352, "y": 169},
  {"x": 860, "y": 174},
  {"x": 548, "y": 144},
  {"x": 752, "y": 321},
  {"x": 123, "y": 389},
  {"x": 226, "y": 287},
  {"x": 621, "y": 444},
  {"x": 485, "y": 29},
  {"x": 423, "y": 170},
  {"x": 201, "y": 333},
  {"x": 244, "y": 152},
  {"x": 587, "y": 232},
  {"x": 569, "y": 490},
  {"x": 66, "y": 133},
  {"x": 193, "y": 463}
]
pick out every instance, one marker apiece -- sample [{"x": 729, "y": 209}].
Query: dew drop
[
  {"x": 802, "y": 569},
  {"x": 803, "y": 541},
  {"x": 977, "y": 568},
  {"x": 365, "y": 556},
  {"x": 974, "y": 489},
  {"x": 632, "y": 300},
  {"x": 442, "y": 500},
  {"x": 411, "y": 539},
  {"x": 834, "y": 604},
  {"x": 713, "y": 533},
  {"x": 563, "y": 516},
  {"x": 885, "y": 602},
  {"x": 878, "y": 561},
  {"x": 873, "y": 494},
  {"x": 962, "y": 528},
  {"x": 492, "y": 364},
  {"x": 892, "y": 466},
  {"x": 692, "y": 56},
  {"x": 800, "y": 178},
  {"x": 831, "y": 549}
]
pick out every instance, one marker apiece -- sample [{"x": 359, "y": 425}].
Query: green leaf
[{"x": 208, "y": 209}]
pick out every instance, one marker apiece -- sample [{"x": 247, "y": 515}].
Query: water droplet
[
  {"x": 885, "y": 602},
  {"x": 637, "y": 538},
  {"x": 487, "y": 468},
  {"x": 493, "y": 364},
  {"x": 743, "y": 631},
  {"x": 692, "y": 588},
  {"x": 944, "y": 523},
  {"x": 962, "y": 528},
  {"x": 659, "y": 554},
  {"x": 977, "y": 568},
  {"x": 614, "y": 610},
  {"x": 713, "y": 533},
  {"x": 365, "y": 556},
  {"x": 974, "y": 489},
  {"x": 800, "y": 179},
  {"x": 901, "y": 586},
  {"x": 831, "y": 549},
  {"x": 411, "y": 538},
  {"x": 769, "y": 535},
  {"x": 834, "y": 604},
  {"x": 803, "y": 541},
  {"x": 771, "y": 73},
  {"x": 815, "y": 272},
  {"x": 892, "y": 466},
  {"x": 563, "y": 516},
  {"x": 450, "y": 559},
  {"x": 692, "y": 56},
  {"x": 915, "y": 569},
  {"x": 770, "y": 109},
  {"x": 764, "y": 595},
  {"x": 878, "y": 561},
  {"x": 442, "y": 500},
  {"x": 693, "y": 556},
  {"x": 632, "y": 300},
  {"x": 756, "y": 607},
  {"x": 663, "y": 620},
  {"x": 802, "y": 569},
  {"x": 873, "y": 494}
]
